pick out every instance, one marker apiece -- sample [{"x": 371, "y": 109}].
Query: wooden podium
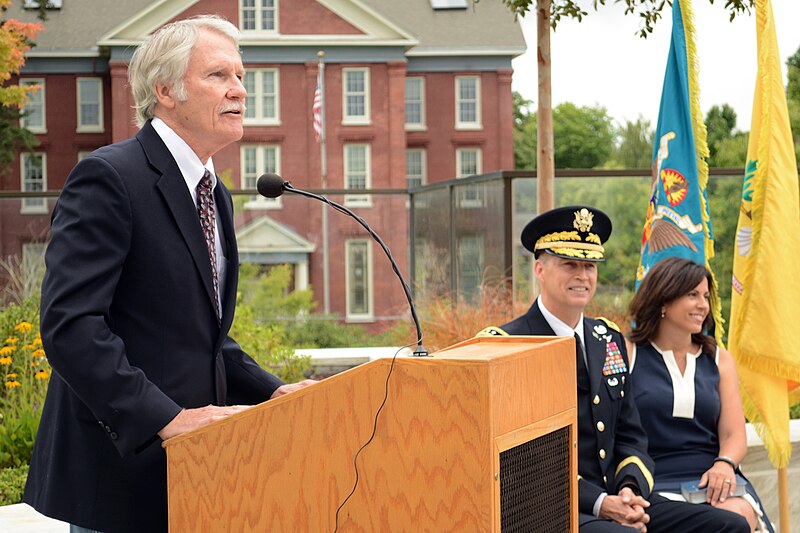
[{"x": 480, "y": 437}]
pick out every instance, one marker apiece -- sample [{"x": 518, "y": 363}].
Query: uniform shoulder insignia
[
  {"x": 610, "y": 324},
  {"x": 492, "y": 331}
]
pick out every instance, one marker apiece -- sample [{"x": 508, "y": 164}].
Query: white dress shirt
[{"x": 192, "y": 170}]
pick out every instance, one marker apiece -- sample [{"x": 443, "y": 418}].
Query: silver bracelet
[{"x": 726, "y": 459}]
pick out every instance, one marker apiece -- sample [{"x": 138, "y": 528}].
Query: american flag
[{"x": 316, "y": 110}]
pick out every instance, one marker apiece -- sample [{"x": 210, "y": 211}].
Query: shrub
[
  {"x": 25, "y": 373},
  {"x": 12, "y": 484}
]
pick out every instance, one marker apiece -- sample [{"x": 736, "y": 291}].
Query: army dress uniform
[
  {"x": 611, "y": 442},
  {"x": 612, "y": 445}
]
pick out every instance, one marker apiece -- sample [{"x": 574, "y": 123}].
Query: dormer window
[{"x": 258, "y": 15}]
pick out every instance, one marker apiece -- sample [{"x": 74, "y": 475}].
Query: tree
[
  {"x": 583, "y": 136},
  {"x": 634, "y": 148},
  {"x": 16, "y": 38},
  {"x": 793, "y": 97},
  {"x": 524, "y": 133},
  {"x": 726, "y": 146},
  {"x": 549, "y": 13}
]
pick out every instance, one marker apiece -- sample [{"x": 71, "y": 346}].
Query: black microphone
[
  {"x": 273, "y": 186},
  {"x": 270, "y": 185}
]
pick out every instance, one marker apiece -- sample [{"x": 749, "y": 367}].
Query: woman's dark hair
[{"x": 665, "y": 282}]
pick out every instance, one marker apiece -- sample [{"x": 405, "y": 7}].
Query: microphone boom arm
[{"x": 420, "y": 350}]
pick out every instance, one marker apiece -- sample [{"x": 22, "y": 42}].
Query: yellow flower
[
  {"x": 24, "y": 327},
  {"x": 42, "y": 374},
  {"x": 30, "y": 347},
  {"x": 11, "y": 375},
  {"x": 38, "y": 353},
  {"x": 12, "y": 340},
  {"x": 38, "y": 340},
  {"x": 12, "y": 384},
  {"x": 6, "y": 361},
  {"x": 6, "y": 350},
  {"x": 34, "y": 364}
]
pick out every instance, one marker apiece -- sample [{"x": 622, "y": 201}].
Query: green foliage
[
  {"x": 647, "y": 11},
  {"x": 634, "y": 148},
  {"x": 12, "y": 484},
  {"x": 25, "y": 373},
  {"x": 268, "y": 292},
  {"x": 525, "y": 133},
  {"x": 583, "y": 136},
  {"x": 726, "y": 146},
  {"x": 13, "y": 137},
  {"x": 793, "y": 97},
  {"x": 319, "y": 331}
]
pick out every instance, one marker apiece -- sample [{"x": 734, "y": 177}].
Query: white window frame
[
  {"x": 468, "y": 124},
  {"x": 357, "y": 200},
  {"x": 351, "y": 316},
  {"x": 423, "y": 175},
  {"x": 260, "y": 167},
  {"x": 259, "y": 10},
  {"x": 469, "y": 195},
  {"x": 89, "y": 128},
  {"x": 32, "y": 206},
  {"x": 35, "y": 99},
  {"x": 255, "y": 98},
  {"x": 421, "y": 125},
  {"x": 82, "y": 154},
  {"x": 347, "y": 118}
]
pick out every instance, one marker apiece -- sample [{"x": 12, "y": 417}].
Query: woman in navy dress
[{"x": 687, "y": 389}]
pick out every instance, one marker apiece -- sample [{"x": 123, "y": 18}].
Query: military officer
[{"x": 615, "y": 472}]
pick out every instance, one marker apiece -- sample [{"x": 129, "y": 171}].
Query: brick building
[{"x": 415, "y": 91}]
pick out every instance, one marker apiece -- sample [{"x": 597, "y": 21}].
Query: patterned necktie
[{"x": 205, "y": 210}]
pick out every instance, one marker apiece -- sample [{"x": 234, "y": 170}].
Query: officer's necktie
[
  {"x": 581, "y": 365},
  {"x": 205, "y": 210}
]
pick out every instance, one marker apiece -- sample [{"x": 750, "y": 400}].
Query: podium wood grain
[{"x": 286, "y": 465}]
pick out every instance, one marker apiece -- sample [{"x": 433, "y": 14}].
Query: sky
[{"x": 602, "y": 60}]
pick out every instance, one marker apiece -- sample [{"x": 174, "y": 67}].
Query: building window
[
  {"x": 33, "y": 167},
  {"x": 415, "y": 103},
  {"x": 468, "y": 163},
  {"x": 468, "y": 102},
  {"x": 470, "y": 265},
  {"x": 262, "y": 97},
  {"x": 257, "y": 160},
  {"x": 34, "y": 118},
  {"x": 415, "y": 167},
  {"x": 358, "y": 264},
  {"x": 259, "y": 15},
  {"x": 82, "y": 155},
  {"x": 90, "y": 105},
  {"x": 355, "y": 91},
  {"x": 357, "y": 174}
]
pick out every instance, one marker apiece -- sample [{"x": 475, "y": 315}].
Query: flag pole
[
  {"x": 326, "y": 292},
  {"x": 783, "y": 499}
]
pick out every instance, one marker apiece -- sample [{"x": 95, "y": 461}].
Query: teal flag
[{"x": 678, "y": 222}]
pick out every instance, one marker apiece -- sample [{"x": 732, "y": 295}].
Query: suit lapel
[
  {"x": 225, "y": 219},
  {"x": 536, "y": 321},
  {"x": 173, "y": 188}
]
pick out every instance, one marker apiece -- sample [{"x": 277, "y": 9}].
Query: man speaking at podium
[
  {"x": 140, "y": 290},
  {"x": 615, "y": 472}
]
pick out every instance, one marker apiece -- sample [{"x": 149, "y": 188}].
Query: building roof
[{"x": 487, "y": 27}]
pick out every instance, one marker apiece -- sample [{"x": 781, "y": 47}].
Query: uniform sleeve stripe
[
  {"x": 492, "y": 331},
  {"x": 638, "y": 462}
]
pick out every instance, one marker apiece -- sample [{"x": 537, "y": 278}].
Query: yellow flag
[{"x": 765, "y": 301}]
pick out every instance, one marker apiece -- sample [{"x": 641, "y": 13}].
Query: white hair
[{"x": 164, "y": 58}]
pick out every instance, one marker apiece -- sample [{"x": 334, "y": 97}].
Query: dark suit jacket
[
  {"x": 129, "y": 326},
  {"x": 618, "y": 451}
]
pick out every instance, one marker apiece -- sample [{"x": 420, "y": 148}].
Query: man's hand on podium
[
  {"x": 291, "y": 387},
  {"x": 189, "y": 419}
]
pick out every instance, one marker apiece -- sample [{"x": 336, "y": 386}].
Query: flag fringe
[
  {"x": 702, "y": 153},
  {"x": 778, "y": 450},
  {"x": 769, "y": 366}
]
